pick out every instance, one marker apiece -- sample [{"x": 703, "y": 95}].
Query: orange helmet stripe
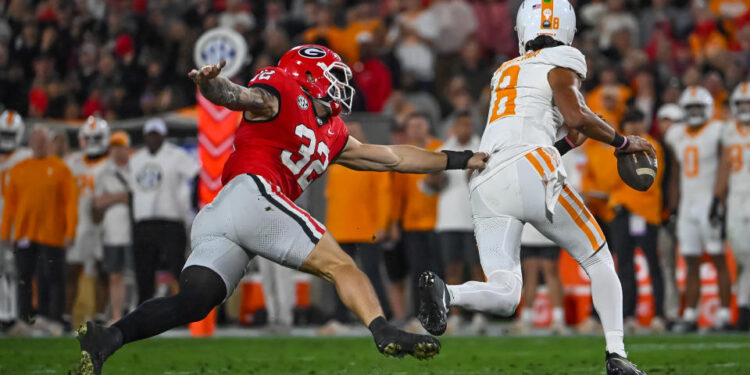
[
  {"x": 548, "y": 7},
  {"x": 744, "y": 87},
  {"x": 10, "y": 118}
]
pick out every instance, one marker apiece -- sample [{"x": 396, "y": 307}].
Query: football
[{"x": 638, "y": 169}]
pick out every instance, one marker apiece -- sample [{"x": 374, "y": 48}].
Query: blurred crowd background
[{"x": 420, "y": 67}]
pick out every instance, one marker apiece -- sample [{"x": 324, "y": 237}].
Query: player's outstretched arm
[
  {"x": 406, "y": 159},
  {"x": 577, "y": 115},
  {"x": 221, "y": 91}
]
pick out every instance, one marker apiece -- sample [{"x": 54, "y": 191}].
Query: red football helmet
[{"x": 330, "y": 76}]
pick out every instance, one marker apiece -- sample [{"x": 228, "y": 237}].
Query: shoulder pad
[{"x": 565, "y": 57}]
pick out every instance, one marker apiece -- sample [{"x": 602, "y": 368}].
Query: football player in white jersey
[
  {"x": 86, "y": 164},
  {"x": 536, "y": 100},
  {"x": 695, "y": 151},
  {"x": 733, "y": 187},
  {"x": 11, "y": 152}
]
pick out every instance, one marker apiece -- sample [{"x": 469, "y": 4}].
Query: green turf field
[{"x": 712, "y": 354}]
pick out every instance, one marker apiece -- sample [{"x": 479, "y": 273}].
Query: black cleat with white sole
[
  {"x": 433, "y": 303},
  {"x": 97, "y": 344},
  {"x": 617, "y": 365},
  {"x": 394, "y": 342}
]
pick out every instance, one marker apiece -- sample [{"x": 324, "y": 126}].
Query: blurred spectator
[
  {"x": 636, "y": 223},
  {"x": 367, "y": 194},
  {"x": 617, "y": 20},
  {"x": 371, "y": 75},
  {"x": 160, "y": 171},
  {"x": 112, "y": 198},
  {"x": 497, "y": 37},
  {"x": 668, "y": 115},
  {"x": 237, "y": 16},
  {"x": 417, "y": 211},
  {"x": 454, "y": 226},
  {"x": 40, "y": 208}
]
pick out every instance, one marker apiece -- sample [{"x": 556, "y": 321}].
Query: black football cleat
[
  {"x": 433, "y": 303},
  {"x": 97, "y": 344},
  {"x": 394, "y": 342},
  {"x": 617, "y": 365}
]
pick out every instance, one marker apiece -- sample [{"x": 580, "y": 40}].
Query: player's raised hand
[
  {"x": 637, "y": 144},
  {"x": 478, "y": 161},
  {"x": 206, "y": 72}
]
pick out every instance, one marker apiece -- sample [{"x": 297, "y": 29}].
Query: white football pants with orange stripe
[{"x": 518, "y": 194}]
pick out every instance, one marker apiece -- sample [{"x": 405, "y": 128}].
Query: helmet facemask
[
  {"x": 9, "y": 140},
  {"x": 742, "y": 111},
  {"x": 340, "y": 90},
  {"x": 695, "y": 114}
]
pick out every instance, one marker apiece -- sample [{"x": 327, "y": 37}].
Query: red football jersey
[{"x": 292, "y": 149}]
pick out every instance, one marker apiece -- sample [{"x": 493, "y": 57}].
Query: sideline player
[
  {"x": 11, "y": 133},
  {"x": 289, "y": 134},
  {"x": 734, "y": 176},
  {"x": 535, "y": 100},
  {"x": 695, "y": 151},
  {"x": 83, "y": 257}
]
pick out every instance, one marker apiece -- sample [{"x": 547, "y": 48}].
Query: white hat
[
  {"x": 670, "y": 111},
  {"x": 155, "y": 125}
]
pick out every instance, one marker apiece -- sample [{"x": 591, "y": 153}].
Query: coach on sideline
[
  {"x": 161, "y": 199},
  {"x": 41, "y": 208}
]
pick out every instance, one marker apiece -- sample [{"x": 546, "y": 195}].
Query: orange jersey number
[
  {"x": 691, "y": 161},
  {"x": 506, "y": 93},
  {"x": 735, "y": 157},
  {"x": 86, "y": 184}
]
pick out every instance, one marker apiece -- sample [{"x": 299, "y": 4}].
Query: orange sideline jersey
[
  {"x": 599, "y": 178},
  {"x": 41, "y": 202},
  {"x": 359, "y": 204},
  {"x": 415, "y": 210}
]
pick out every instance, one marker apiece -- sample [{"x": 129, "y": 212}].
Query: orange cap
[{"x": 120, "y": 138}]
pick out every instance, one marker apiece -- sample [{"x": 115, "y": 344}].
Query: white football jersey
[
  {"x": 737, "y": 139},
  {"x": 697, "y": 153},
  {"x": 6, "y": 163},
  {"x": 522, "y": 115},
  {"x": 85, "y": 172}
]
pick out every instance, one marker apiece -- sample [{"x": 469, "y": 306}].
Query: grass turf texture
[{"x": 666, "y": 354}]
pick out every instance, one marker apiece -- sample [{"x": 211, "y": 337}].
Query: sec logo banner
[{"x": 221, "y": 44}]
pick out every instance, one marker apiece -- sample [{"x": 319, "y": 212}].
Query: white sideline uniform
[
  {"x": 87, "y": 247},
  {"x": 737, "y": 140},
  {"x": 248, "y": 218},
  {"x": 525, "y": 181},
  {"x": 7, "y": 268},
  {"x": 698, "y": 156}
]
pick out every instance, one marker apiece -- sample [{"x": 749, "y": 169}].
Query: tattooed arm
[{"x": 256, "y": 102}]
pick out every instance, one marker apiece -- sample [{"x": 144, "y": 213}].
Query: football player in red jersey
[{"x": 289, "y": 134}]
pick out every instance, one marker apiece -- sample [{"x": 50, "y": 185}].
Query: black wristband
[
  {"x": 563, "y": 146},
  {"x": 457, "y": 159},
  {"x": 619, "y": 141}
]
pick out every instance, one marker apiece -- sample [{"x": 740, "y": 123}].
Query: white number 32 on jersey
[{"x": 305, "y": 153}]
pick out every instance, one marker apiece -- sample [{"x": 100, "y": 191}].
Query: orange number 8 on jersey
[
  {"x": 691, "y": 161},
  {"x": 505, "y": 93}
]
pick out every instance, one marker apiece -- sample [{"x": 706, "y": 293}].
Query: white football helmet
[
  {"x": 741, "y": 94},
  {"x": 698, "y": 105},
  {"x": 94, "y": 136},
  {"x": 555, "y": 18},
  {"x": 11, "y": 131}
]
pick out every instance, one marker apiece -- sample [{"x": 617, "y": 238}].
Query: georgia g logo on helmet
[{"x": 312, "y": 52}]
